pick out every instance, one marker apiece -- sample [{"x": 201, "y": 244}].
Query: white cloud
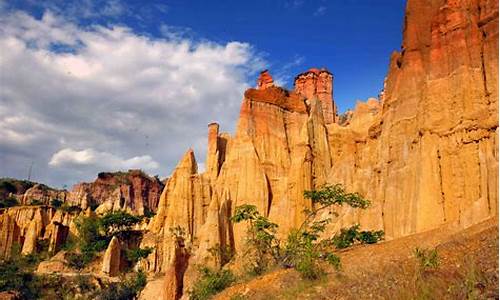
[
  {"x": 91, "y": 157},
  {"x": 111, "y": 92}
]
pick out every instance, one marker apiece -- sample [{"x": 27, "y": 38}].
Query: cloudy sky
[{"x": 90, "y": 86}]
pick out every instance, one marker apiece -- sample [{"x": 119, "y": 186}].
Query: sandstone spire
[
  {"x": 265, "y": 80},
  {"x": 318, "y": 83}
]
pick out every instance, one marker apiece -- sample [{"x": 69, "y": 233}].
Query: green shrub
[
  {"x": 117, "y": 221},
  {"x": 210, "y": 283},
  {"x": 149, "y": 213},
  {"x": 56, "y": 203},
  {"x": 134, "y": 255},
  {"x": 17, "y": 274},
  {"x": 262, "y": 244},
  {"x": 128, "y": 289},
  {"x": 348, "y": 236},
  {"x": 91, "y": 241},
  {"x": 36, "y": 202},
  {"x": 427, "y": 259},
  {"x": 71, "y": 209},
  {"x": 78, "y": 261},
  {"x": 9, "y": 202}
]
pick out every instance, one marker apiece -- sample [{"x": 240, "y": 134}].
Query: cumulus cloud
[
  {"x": 78, "y": 100},
  {"x": 91, "y": 157}
]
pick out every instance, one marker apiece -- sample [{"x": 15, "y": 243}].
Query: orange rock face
[
  {"x": 133, "y": 191},
  {"x": 425, "y": 153},
  {"x": 318, "y": 83},
  {"x": 430, "y": 155},
  {"x": 265, "y": 80}
]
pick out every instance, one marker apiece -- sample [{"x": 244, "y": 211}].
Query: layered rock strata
[{"x": 133, "y": 191}]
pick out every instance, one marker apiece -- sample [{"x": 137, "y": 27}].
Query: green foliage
[
  {"x": 8, "y": 202},
  {"x": 221, "y": 254},
  {"x": 427, "y": 259},
  {"x": 335, "y": 195},
  {"x": 348, "y": 236},
  {"x": 127, "y": 289},
  {"x": 56, "y": 203},
  {"x": 118, "y": 221},
  {"x": 304, "y": 248},
  {"x": 36, "y": 202},
  {"x": 210, "y": 283},
  {"x": 78, "y": 261},
  {"x": 71, "y": 209},
  {"x": 262, "y": 244},
  {"x": 134, "y": 255},
  {"x": 17, "y": 274},
  {"x": 91, "y": 241},
  {"x": 149, "y": 213}
]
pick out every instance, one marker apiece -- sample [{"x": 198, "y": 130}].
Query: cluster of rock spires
[
  {"x": 27, "y": 224},
  {"x": 425, "y": 153}
]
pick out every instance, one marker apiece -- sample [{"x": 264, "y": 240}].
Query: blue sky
[{"x": 105, "y": 85}]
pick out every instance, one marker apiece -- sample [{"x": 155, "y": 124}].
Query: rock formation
[
  {"x": 425, "y": 153},
  {"x": 265, "y": 80},
  {"x": 431, "y": 154},
  {"x": 318, "y": 83},
  {"x": 133, "y": 191},
  {"x": 111, "y": 260}
]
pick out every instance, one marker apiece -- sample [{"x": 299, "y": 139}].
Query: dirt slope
[{"x": 468, "y": 268}]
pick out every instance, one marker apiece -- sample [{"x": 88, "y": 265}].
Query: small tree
[
  {"x": 56, "y": 203},
  {"x": 119, "y": 221},
  {"x": 262, "y": 244},
  {"x": 304, "y": 248}
]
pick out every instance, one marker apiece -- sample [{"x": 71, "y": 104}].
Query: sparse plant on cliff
[
  {"x": 56, "y": 203},
  {"x": 427, "y": 258},
  {"x": 118, "y": 221},
  {"x": 36, "y": 202},
  {"x": 128, "y": 288},
  {"x": 304, "y": 248},
  {"x": 136, "y": 254},
  {"x": 9, "y": 202},
  {"x": 348, "y": 236},
  {"x": 91, "y": 240},
  {"x": 262, "y": 244},
  {"x": 210, "y": 283}
]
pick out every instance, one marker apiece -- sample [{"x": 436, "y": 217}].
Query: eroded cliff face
[
  {"x": 23, "y": 227},
  {"x": 132, "y": 191},
  {"x": 431, "y": 154},
  {"x": 425, "y": 153}
]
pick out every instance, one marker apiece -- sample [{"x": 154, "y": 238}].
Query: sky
[{"x": 105, "y": 85}]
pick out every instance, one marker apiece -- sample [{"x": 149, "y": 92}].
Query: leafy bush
[
  {"x": 56, "y": 203},
  {"x": 262, "y": 244},
  {"x": 348, "y": 236},
  {"x": 117, "y": 221},
  {"x": 78, "y": 261},
  {"x": 128, "y": 289},
  {"x": 134, "y": 255},
  {"x": 91, "y": 240},
  {"x": 303, "y": 249},
  {"x": 17, "y": 274},
  {"x": 210, "y": 283},
  {"x": 71, "y": 209},
  {"x": 427, "y": 259},
  {"x": 9, "y": 202},
  {"x": 36, "y": 202},
  {"x": 149, "y": 213}
]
